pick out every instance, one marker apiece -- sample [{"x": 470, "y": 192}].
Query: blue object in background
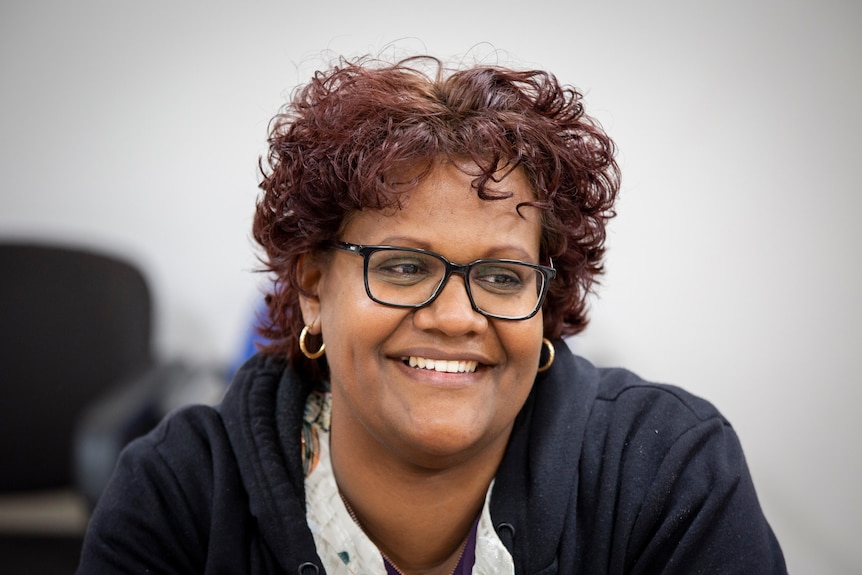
[{"x": 251, "y": 341}]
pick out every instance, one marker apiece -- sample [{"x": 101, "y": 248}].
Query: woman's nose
[{"x": 451, "y": 312}]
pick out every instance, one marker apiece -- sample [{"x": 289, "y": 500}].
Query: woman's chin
[{"x": 443, "y": 443}]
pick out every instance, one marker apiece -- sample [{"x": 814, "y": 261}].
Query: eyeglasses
[{"x": 413, "y": 278}]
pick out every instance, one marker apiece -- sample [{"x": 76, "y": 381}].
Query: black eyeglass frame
[{"x": 548, "y": 274}]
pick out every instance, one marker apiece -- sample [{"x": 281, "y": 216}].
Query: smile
[{"x": 443, "y": 365}]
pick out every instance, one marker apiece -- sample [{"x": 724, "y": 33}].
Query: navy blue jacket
[{"x": 604, "y": 474}]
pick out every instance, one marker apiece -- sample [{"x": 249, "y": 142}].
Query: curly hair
[{"x": 343, "y": 139}]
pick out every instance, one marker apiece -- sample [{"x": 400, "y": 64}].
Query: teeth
[{"x": 443, "y": 365}]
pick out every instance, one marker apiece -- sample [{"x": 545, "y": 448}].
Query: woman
[{"x": 433, "y": 235}]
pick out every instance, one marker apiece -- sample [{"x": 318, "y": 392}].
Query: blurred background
[{"x": 734, "y": 267}]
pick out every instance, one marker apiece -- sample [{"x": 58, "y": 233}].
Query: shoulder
[
  {"x": 183, "y": 463},
  {"x": 644, "y": 425},
  {"x": 610, "y": 399},
  {"x": 199, "y": 491},
  {"x": 628, "y": 475},
  {"x": 623, "y": 394},
  {"x": 192, "y": 433},
  {"x": 186, "y": 438},
  {"x": 625, "y": 430},
  {"x": 675, "y": 473},
  {"x": 162, "y": 496},
  {"x": 651, "y": 439}
]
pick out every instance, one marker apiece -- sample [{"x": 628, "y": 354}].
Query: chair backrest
[{"x": 72, "y": 324}]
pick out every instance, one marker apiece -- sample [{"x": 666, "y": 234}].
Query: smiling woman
[
  {"x": 428, "y": 418},
  {"x": 434, "y": 234}
]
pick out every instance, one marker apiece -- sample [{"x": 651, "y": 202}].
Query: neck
[
  {"x": 449, "y": 565},
  {"x": 419, "y": 517}
]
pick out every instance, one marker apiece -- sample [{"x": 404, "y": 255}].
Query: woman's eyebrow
[{"x": 506, "y": 251}]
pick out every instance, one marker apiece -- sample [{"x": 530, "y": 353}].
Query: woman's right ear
[{"x": 309, "y": 275}]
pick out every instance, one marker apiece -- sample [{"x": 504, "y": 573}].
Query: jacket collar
[
  {"x": 262, "y": 412},
  {"x": 537, "y": 482}
]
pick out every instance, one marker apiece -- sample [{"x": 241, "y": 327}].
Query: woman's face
[{"x": 424, "y": 415}]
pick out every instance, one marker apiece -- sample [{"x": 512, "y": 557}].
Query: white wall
[{"x": 734, "y": 267}]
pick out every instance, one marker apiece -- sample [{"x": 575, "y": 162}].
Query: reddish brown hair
[{"x": 337, "y": 146}]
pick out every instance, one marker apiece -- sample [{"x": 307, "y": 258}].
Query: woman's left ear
[{"x": 309, "y": 274}]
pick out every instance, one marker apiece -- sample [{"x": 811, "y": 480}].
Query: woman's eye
[
  {"x": 403, "y": 269},
  {"x": 499, "y": 279},
  {"x": 400, "y": 270}
]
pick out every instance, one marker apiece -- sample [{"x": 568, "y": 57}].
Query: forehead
[{"x": 444, "y": 212}]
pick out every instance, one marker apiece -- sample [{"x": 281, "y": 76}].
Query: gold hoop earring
[
  {"x": 304, "y": 350},
  {"x": 551, "y": 351}
]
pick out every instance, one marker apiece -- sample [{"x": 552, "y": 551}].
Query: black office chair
[{"x": 78, "y": 380}]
